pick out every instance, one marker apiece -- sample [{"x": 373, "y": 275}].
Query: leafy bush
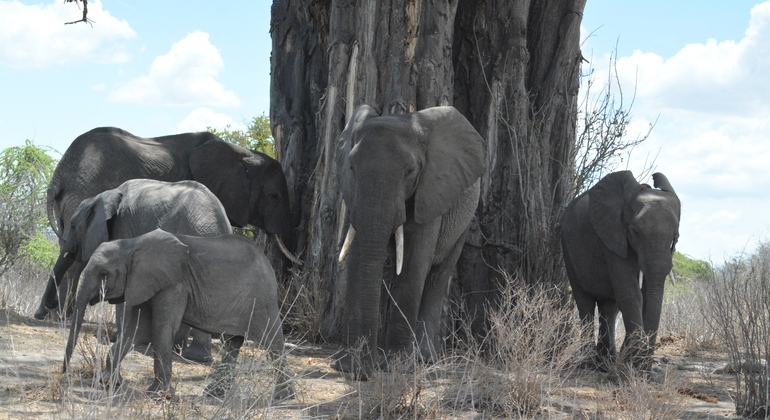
[
  {"x": 41, "y": 250},
  {"x": 24, "y": 175}
]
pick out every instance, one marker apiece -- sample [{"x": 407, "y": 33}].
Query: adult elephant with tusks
[
  {"x": 618, "y": 240},
  {"x": 136, "y": 207},
  {"x": 251, "y": 185},
  {"x": 413, "y": 178}
]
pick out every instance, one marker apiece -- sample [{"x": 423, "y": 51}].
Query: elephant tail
[
  {"x": 52, "y": 196},
  {"x": 661, "y": 182}
]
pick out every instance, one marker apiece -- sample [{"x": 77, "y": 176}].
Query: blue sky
[{"x": 699, "y": 67}]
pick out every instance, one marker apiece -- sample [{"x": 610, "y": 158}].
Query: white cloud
[
  {"x": 186, "y": 76},
  {"x": 200, "y": 118},
  {"x": 35, "y": 36},
  {"x": 712, "y": 138},
  {"x": 726, "y": 77}
]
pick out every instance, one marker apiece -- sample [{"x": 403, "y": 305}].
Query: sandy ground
[{"x": 33, "y": 386}]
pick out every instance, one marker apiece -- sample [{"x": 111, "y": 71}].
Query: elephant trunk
[
  {"x": 365, "y": 263},
  {"x": 51, "y": 193},
  {"x": 88, "y": 290},
  {"x": 50, "y": 298}
]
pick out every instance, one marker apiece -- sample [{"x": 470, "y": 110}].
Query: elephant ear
[
  {"x": 454, "y": 160},
  {"x": 158, "y": 261},
  {"x": 220, "y": 167},
  {"x": 98, "y": 211},
  {"x": 607, "y": 200},
  {"x": 344, "y": 177}
]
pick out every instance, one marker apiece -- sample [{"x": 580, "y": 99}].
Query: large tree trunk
[{"x": 510, "y": 66}]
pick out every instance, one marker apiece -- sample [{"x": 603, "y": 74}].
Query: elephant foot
[
  {"x": 345, "y": 362},
  {"x": 221, "y": 383},
  {"x": 158, "y": 391},
  {"x": 283, "y": 392},
  {"x": 42, "y": 312},
  {"x": 196, "y": 354},
  {"x": 111, "y": 381},
  {"x": 597, "y": 363}
]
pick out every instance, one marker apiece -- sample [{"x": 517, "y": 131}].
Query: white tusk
[
  {"x": 347, "y": 243},
  {"x": 641, "y": 279},
  {"x": 399, "y": 249},
  {"x": 286, "y": 252},
  {"x": 65, "y": 255},
  {"x": 671, "y": 275}
]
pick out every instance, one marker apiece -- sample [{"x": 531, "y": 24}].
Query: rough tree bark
[{"x": 510, "y": 66}]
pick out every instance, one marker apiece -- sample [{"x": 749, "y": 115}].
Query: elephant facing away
[
  {"x": 618, "y": 240},
  {"x": 221, "y": 285},
  {"x": 414, "y": 178},
  {"x": 137, "y": 206},
  {"x": 251, "y": 185}
]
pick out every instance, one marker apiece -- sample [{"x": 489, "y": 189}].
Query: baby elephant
[{"x": 219, "y": 284}]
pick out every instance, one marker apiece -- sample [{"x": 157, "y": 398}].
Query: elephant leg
[
  {"x": 199, "y": 349},
  {"x": 586, "y": 305},
  {"x": 166, "y": 320},
  {"x": 407, "y": 290},
  {"x": 66, "y": 292},
  {"x": 633, "y": 343},
  {"x": 432, "y": 303},
  {"x": 224, "y": 377},
  {"x": 180, "y": 339},
  {"x": 605, "y": 348},
  {"x": 135, "y": 327},
  {"x": 608, "y": 312}
]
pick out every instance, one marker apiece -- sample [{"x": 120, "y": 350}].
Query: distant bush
[
  {"x": 257, "y": 136},
  {"x": 689, "y": 269}
]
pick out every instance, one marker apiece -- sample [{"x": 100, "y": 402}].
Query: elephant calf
[{"x": 220, "y": 285}]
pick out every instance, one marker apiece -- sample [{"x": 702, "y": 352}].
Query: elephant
[
  {"x": 139, "y": 206},
  {"x": 251, "y": 185},
  {"x": 218, "y": 284},
  {"x": 618, "y": 241},
  {"x": 416, "y": 178}
]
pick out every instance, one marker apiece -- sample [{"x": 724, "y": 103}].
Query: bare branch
[
  {"x": 602, "y": 141},
  {"x": 85, "y": 12}
]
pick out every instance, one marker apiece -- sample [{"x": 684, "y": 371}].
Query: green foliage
[
  {"x": 687, "y": 273},
  {"x": 41, "y": 250},
  {"x": 24, "y": 175},
  {"x": 688, "y": 269},
  {"x": 256, "y": 137}
]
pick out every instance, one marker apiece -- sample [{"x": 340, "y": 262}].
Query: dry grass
[{"x": 637, "y": 398}]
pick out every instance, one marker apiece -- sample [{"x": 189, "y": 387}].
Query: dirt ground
[{"x": 32, "y": 385}]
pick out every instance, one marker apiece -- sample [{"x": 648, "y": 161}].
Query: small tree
[
  {"x": 602, "y": 128},
  {"x": 257, "y": 136},
  {"x": 24, "y": 174}
]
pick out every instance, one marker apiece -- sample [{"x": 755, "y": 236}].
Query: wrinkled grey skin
[
  {"x": 420, "y": 170},
  {"x": 251, "y": 185},
  {"x": 609, "y": 234},
  {"x": 136, "y": 207},
  {"x": 220, "y": 285}
]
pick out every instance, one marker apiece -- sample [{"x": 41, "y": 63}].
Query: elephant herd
[{"x": 147, "y": 222}]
